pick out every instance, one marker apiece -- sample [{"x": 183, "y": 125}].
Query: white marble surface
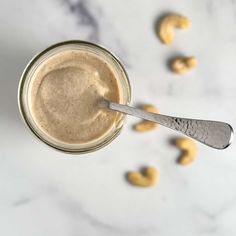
[{"x": 43, "y": 192}]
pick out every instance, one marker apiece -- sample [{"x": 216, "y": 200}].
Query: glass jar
[{"x": 26, "y": 82}]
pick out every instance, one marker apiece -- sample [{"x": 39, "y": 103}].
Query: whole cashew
[
  {"x": 167, "y": 25},
  {"x": 146, "y": 125},
  {"x": 147, "y": 179},
  {"x": 181, "y": 65},
  {"x": 189, "y": 150}
]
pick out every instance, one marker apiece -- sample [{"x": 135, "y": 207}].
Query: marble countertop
[{"x": 44, "y": 192}]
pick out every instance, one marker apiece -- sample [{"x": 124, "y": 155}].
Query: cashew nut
[
  {"x": 167, "y": 25},
  {"x": 149, "y": 177},
  {"x": 146, "y": 125},
  {"x": 181, "y": 65},
  {"x": 188, "y": 149},
  {"x": 150, "y": 108}
]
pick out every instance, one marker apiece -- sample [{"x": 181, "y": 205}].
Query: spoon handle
[{"x": 215, "y": 134}]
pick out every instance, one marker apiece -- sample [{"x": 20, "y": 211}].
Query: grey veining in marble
[
  {"x": 82, "y": 12},
  {"x": 43, "y": 192}
]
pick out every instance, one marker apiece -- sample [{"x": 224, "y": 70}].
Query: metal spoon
[{"x": 215, "y": 134}]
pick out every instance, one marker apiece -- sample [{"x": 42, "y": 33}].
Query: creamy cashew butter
[{"x": 65, "y": 92}]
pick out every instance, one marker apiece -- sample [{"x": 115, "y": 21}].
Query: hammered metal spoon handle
[{"x": 215, "y": 134}]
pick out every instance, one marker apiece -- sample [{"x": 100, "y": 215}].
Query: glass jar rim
[{"x": 29, "y": 67}]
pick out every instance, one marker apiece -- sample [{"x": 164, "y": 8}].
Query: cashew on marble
[
  {"x": 182, "y": 65},
  {"x": 146, "y": 125},
  {"x": 148, "y": 177},
  {"x": 168, "y": 24},
  {"x": 188, "y": 149}
]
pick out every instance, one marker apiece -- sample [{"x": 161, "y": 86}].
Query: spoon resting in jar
[{"x": 215, "y": 134}]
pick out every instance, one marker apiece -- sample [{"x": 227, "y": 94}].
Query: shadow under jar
[{"x": 60, "y": 91}]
